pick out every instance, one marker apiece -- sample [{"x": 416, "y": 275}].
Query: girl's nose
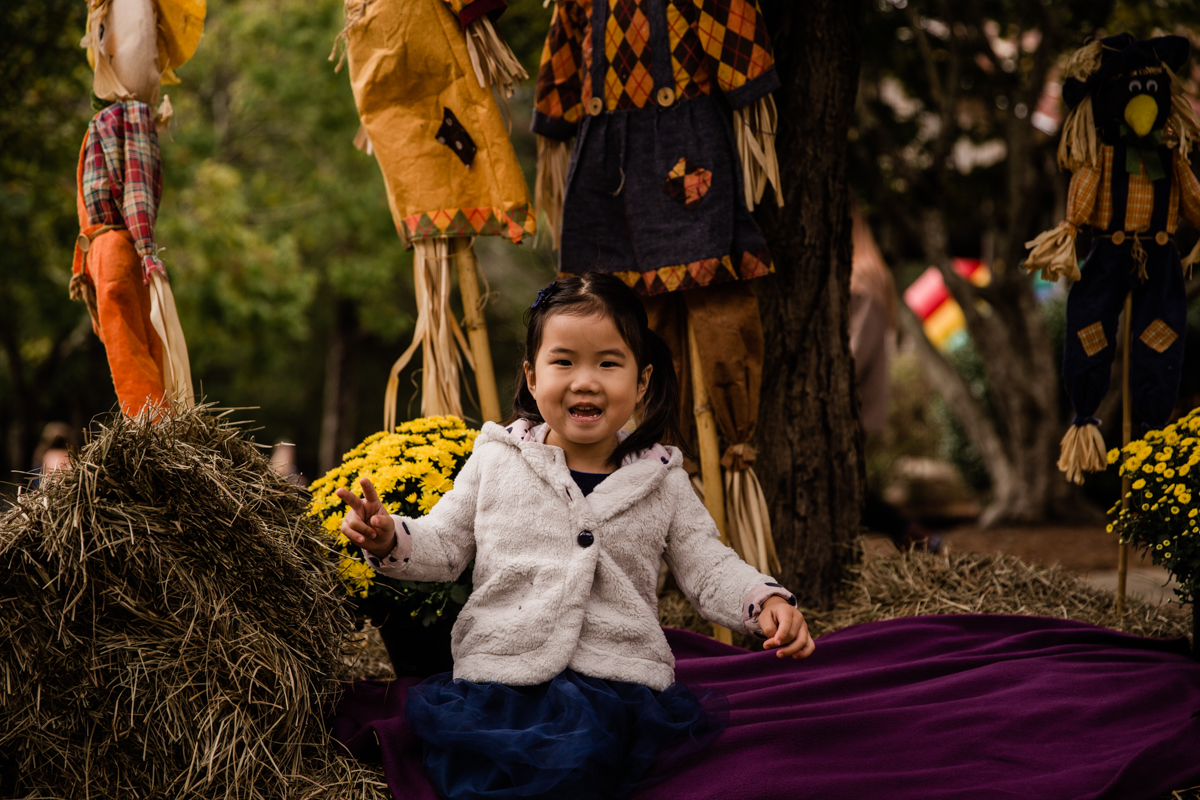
[{"x": 585, "y": 381}]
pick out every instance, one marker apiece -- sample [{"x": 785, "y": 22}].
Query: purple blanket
[{"x": 919, "y": 708}]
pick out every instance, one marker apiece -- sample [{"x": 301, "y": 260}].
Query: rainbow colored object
[{"x": 940, "y": 314}]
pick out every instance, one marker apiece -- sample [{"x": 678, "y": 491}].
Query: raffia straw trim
[
  {"x": 756, "y": 127},
  {"x": 1084, "y": 62},
  {"x": 164, "y": 114},
  {"x": 748, "y": 521},
  {"x": 437, "y": 333},
  {"x": 550, "y": 185},
  {"x": 362, "y": 141},
  {"x": 1080, "y": 143},
  {"x": 176, "y": 366},
  {"x": 1082, "y": 451},
  {"x": 1191, "y": 260},
  {"x": 1182, "y": 130},
  {"x": 1053, "y": 252},
  {"x": 493, "y": 60},
  {"x": 354, "y": 10}
]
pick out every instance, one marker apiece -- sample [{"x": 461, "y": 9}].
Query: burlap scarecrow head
[{"x": 135, "y": 45}]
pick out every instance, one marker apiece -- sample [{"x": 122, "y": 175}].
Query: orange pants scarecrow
[{"x": 107, "y": 273}]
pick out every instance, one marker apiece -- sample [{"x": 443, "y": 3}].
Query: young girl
[{"x": 563, "y": 683}]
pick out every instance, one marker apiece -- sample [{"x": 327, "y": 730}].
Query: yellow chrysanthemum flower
[{"x": 411, "y": 468}]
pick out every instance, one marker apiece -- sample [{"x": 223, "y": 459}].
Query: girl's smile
[{"x": 586, "y": 383}]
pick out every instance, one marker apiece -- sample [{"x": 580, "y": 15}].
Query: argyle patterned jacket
[{"x": 712, "y": 43}]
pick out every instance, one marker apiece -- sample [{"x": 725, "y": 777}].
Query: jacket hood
[{"x": 638, "y": 475}]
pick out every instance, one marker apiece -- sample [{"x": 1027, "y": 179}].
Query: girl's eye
[
  {"x": 562, "y": 362},
  {"x": 1151, "y": 86},
  {"x": 609, "y": 364},
  {"x": 1135, "y": 86}
]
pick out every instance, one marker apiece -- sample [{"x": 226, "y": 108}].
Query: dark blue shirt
[{"x": 587, "y": 481}]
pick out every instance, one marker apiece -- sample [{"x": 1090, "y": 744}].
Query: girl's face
[{"x": 586, "y": 383}]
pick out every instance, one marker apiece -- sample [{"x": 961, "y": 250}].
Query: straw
[
  {"x": 912, "y": 583},
  {"x": 172, "y": 624}
]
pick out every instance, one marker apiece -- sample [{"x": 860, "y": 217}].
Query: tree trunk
[
  {"x": 811, "y": 462},
  {"x": 338, "y": 418},
  {"x": 1018, "y": 438}
]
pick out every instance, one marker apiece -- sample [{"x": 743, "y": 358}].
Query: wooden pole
[
  {"x": 1126, "y": 433},
  {"x": 476, "y": 325},
  {"x": 710, "y": 454}
]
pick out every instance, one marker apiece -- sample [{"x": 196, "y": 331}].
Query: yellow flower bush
[
  {"x": 1162, "y": 518},
  {"x": 411, "y": 468}
]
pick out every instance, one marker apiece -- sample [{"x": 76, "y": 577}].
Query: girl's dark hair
[{"x": 599, "y": 293}]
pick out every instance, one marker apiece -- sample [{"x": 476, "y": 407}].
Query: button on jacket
[{"x": 563, "y": 580}]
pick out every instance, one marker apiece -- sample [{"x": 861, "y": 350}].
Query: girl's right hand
[{"x": 367, "y": 522}]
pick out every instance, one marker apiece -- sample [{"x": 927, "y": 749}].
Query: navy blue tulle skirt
[{"x": 574, "y": 736}]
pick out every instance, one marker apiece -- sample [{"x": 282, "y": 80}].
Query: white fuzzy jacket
[{"x": 563, "y": 580}]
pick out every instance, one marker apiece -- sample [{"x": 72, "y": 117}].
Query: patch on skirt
[{"x": 687, "y": 187}]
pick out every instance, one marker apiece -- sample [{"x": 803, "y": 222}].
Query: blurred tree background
[
  {"x": 953, "y": 156},
  {"x": 295, "y": 293},
  {"x": 292, "y": 287}
]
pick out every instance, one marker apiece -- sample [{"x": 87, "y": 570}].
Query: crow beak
[{"x": 1140, "y": 113}]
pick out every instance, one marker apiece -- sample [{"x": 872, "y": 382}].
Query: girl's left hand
[{"x": 785, "y": 627}]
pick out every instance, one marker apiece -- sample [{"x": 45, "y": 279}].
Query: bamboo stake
[
  {"x": 1126, "y": 433},
  {"x": 476, "y": 325},
  {"x": 710, "y": 454}
]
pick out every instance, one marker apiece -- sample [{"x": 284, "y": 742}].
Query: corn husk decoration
[
  {"x": 1054, "y": 252},
  {"x": 1082, "y": 450},
  {"x": 755, "y": 127},
  {"x": 437, "y": 333},
  {"x": 550, "y": 186},
  {"x": 747, "y": 518},
  {"x": 493, "y": 60}
]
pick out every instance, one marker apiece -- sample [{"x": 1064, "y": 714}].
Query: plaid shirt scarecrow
[
  {"x": 653, "y": 193},
  {"x": 121, "y": 182},
  {"x": 116, "y": 268},
  {"x": 1127, "y": 141}
]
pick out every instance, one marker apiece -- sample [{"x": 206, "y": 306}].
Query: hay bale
[
  {"x": 911, "y": 583},
  {"x": 172, "y": 624}
]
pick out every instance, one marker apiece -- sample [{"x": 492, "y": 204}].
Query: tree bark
[
  {"x": 810, "y": 461},
  {"x": 338, "y": 418}
]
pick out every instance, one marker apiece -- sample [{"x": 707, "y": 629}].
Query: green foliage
[
  {"x": 272, "y": 219},
  {"x": 523, "y": 25},
  {"x": 46, "y": 364},
  {"x": 277, "y": 233}
]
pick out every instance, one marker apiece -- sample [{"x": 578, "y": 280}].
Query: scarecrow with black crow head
[{"x": 1126, "y": 140}]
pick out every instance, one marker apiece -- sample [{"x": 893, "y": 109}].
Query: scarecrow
[
  {"x": 669, "y": 103},
  {"x": 134, "y": 47},
  {"x": 1127, "y": 141},
  {"x": 422, "y": 73}
]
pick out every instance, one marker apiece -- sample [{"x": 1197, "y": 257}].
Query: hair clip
[{"x": 543, "y": 294}]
